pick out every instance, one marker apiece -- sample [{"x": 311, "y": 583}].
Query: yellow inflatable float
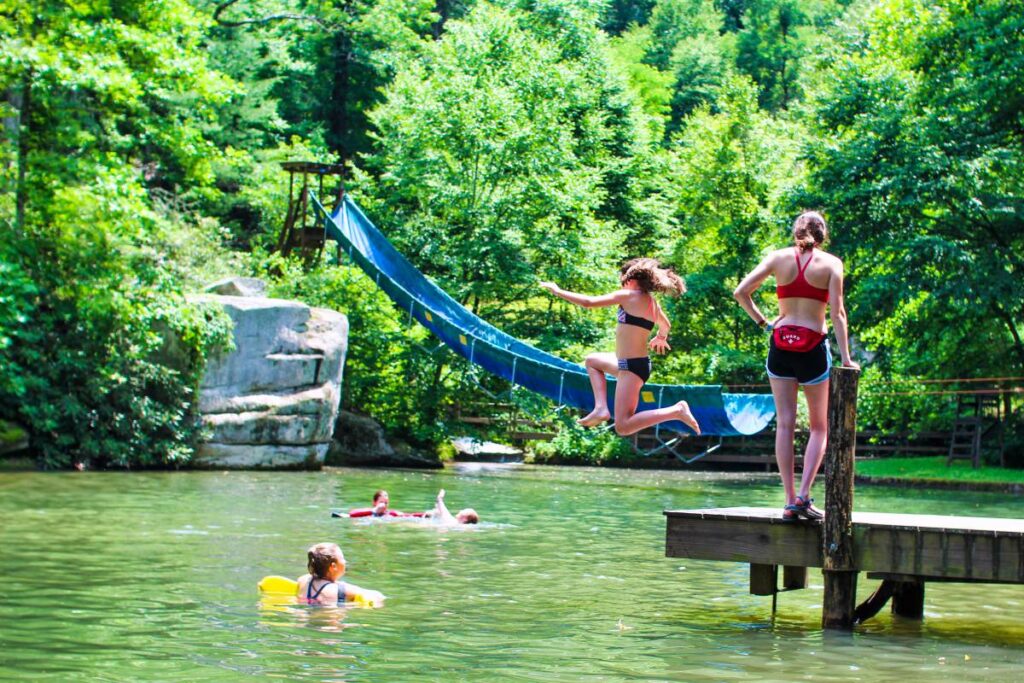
[{"x": 281, "y": 586}]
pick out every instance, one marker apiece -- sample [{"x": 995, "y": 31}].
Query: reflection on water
[{"x": 152, "y": 576}]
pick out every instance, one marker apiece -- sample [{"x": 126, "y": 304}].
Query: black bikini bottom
[{"x": 641, "y": 367}]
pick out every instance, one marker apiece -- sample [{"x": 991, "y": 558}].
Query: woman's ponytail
[{"x": 809, "y": 230}]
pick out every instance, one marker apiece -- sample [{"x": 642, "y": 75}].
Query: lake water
[{"x": 152, "y": 577}]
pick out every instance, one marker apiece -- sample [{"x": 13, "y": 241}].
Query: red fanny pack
[{"x": 796, "y": 338}]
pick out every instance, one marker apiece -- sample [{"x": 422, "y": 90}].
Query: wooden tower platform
[{"x": 299, "y": 232}]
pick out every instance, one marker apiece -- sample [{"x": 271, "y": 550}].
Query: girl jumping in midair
[{"x": 639, "y": 313}]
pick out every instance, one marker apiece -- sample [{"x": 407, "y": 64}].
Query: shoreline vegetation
[
  {"x": 932, "y": 472},
  {"x": 914, "y": 473}
]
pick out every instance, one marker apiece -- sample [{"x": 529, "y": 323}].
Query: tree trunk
[
  {"x": 23, "y": 126},
  {"x": 13, "y": 97},
  {"x": 433, "y": 407},
  {"x": 443, "y": 10},
  {"x": 1018, "y": 344},
  {"x": 337, "y": 113}
]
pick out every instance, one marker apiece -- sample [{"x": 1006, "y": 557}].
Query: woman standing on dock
[{"x": 798, "y": 350}]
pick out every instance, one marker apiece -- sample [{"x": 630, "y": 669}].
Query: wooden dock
[
  {"x": 924, "y": 547},
  {"x": 905, "y": 551}
]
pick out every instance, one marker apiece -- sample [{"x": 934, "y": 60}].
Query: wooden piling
[
  {"x": 840, "y": 569},
  {"x": 908, "y": 599},
  {"x": 794, "y": 578},
  {"x": 763, "y": 579}
]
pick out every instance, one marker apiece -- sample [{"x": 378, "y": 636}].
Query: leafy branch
[{"x": 283, "y": 16}]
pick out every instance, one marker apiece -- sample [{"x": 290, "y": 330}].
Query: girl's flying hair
[{"x": 650, "y": 276}]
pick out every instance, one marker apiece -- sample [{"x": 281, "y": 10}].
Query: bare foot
[
  {"x": 687, "y": 417},
  {"x": 595, "y": 418}
]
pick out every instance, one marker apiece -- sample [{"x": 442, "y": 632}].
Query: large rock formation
[
  {"x": 273, "y": 401},
  {"x": 360, "y": 440},
  {"x": 238, "y": 286}
]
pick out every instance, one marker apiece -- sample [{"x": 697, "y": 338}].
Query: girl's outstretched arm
[{"x": 585, "y": 300}]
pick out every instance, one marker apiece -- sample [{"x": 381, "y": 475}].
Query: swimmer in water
[
  {"x": 321, "y": 586},
  {"x": 380, "y": 508},
  {"x": 380, "y": 503},
  {"x": 441, "y": 515}
]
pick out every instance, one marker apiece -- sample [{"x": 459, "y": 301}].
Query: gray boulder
[
  {"x": 273, "y": 401},
  {"x": 468, "y": 448},
  {"x": 261, "y": 457},
  {"x": 238, "y": 286},
  {"x": 360, "y": 440}
]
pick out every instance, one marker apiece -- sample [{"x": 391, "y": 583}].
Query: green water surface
[{"x": 152, "y": 577}]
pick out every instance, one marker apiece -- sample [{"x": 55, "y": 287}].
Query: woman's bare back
[{"x": 809, "y": 313}]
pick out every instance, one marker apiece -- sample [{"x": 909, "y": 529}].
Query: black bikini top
[{"x": 628, "y": 319}]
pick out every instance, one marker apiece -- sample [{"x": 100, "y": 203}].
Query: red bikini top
[{"x": 800, "y": 287}]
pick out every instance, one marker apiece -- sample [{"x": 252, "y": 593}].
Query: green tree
[
  {"x": 496, "y": 152},
  {"x": 105, "y": 107},
  {"x": 619, "y": 15},
  {"x": 688, "y": 43},
  {"x": 353, "y": 56},
  {"x": 733, "y": 169},
  {"x": 919, "y": 152},
  {"x": 777, "y": 41}
]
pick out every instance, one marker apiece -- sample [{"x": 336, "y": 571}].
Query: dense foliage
[
  {"x": 498, "y": 142},
  {"x": 105, "y": 110}
]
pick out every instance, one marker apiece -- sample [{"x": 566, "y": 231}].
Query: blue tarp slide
[{"x": 562, "y": 381}]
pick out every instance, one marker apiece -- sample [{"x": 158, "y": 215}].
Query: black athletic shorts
[{"x": 807, "y": 367}]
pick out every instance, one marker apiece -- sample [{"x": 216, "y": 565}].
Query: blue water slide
[{"x": 564, "y": 382}]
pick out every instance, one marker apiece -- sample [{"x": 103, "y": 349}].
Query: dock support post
[
  {"x": 763, "y": 579},
  {"x": 908, "y": 599},
  {"x": 839, "y": 570},
  {"x": 794, "y": 578}
]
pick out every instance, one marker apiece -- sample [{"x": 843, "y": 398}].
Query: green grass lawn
[{"x": 935, "y": 469}]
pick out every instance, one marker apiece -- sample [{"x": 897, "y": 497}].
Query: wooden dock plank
[
  {"x": 939, "y": 546},
  {"x": 880, "y": 519},
  {"x": 759, "y": 543}
]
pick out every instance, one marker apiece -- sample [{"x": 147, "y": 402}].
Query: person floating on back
[
  {"x": 321, "y": 586},
  {"x": 440, "y": 514},
  {"x": 808, "y": 280},
  {"x": 638, "y": 314}
]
